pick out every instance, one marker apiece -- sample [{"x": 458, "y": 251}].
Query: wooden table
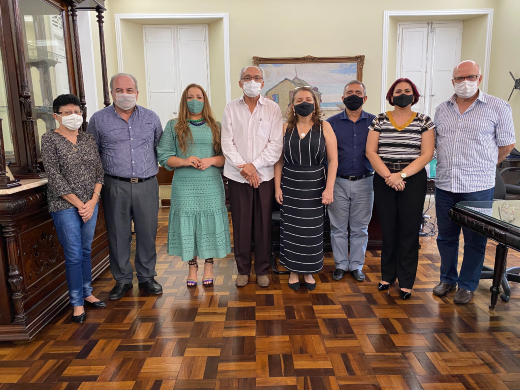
[{"x": 498, "y": 220}]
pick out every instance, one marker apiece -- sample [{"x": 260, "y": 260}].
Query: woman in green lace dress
[{"x": 198, "y": 222}]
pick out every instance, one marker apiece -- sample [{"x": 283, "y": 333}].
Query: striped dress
[
  {"x": 302, "y": 212},
  {"x": 400, "y": 143}
]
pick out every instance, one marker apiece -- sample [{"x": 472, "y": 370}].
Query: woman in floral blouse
[{"x": 75, "y": 176}]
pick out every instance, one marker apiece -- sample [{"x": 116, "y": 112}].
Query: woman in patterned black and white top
[{"x": 401, "y": 142}]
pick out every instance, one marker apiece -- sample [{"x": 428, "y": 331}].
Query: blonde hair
[
  {"x": 182, "y": 127},
  {"x": 292, "y": 118}
]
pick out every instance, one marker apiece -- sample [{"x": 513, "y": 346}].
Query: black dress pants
[{"x": 400, "y": 214}]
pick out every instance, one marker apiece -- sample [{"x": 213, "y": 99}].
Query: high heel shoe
[
  {"x": 79, "y": 319},
  {"x": 206, "y": 280},
  {"x": 405, "y": 295},
  {"x": 383, "y": 287},
  {"x": 192, "y": 282},
  {"x": 95, "y": 305}
]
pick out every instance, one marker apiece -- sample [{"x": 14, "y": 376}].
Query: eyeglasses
[
  {"x": 258, "y": 79},
  {"x": 67, "y": 113},
  {"x": 471, "y": 77}
]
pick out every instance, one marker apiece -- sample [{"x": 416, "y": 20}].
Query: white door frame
[
  {"x": 464, "y": 12},
  {"x": 216, "y": 16}
]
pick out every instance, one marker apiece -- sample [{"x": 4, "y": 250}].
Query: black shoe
[
  {"x": 119, "y": 290},
  {"x": 79, "y": 319},
  {"x": 310, "y": 286},
  {"x": 295, "y": 286},
  {"x": 338, "y": 274},
  {"x": 443, "y": 289},
  {"x": 383, "y": 287},
  {"x": 95, "y": 305},
  {"x": 151, "y": 287},
  {"x": 405, "y": 295},
  {"x": 358, "y": 275}
]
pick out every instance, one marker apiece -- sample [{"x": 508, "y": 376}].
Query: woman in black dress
[{"x": 302, "y": 187}]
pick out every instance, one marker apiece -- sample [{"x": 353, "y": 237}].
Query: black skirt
[{"x": 302, "y": 218}]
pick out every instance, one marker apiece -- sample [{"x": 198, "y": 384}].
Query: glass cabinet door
[
  {"x": 7, "y": 140},
  {"x": 46, "y": 61}
]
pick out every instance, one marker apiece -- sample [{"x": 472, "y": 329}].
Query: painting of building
[{"x": 327, "y": 79}]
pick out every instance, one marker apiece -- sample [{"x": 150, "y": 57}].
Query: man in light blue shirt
[{"x": 474, "y": 133}]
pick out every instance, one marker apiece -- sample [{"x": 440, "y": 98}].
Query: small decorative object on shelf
[{"x": 516, "y": 86}]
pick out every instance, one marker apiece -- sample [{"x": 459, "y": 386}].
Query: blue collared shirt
[
  {"x": 467, "y": 144},
  {"x": 352, "y": 141},
  {"x": 127, "y": 149}
]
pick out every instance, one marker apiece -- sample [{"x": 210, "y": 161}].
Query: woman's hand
[
  {"x": 205, "y": 163},
  {"x": 87, "y": 210},
  {"x": 278, "y": 195},
  {"x": 393, "y": 180},
  {"x": 192, "y": 161},
  {"x": 327, "y": 197}
]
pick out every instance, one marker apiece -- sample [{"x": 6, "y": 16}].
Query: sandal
[
  {"x": 192, "y": 282},
  {"x": 206, "y": 280}
]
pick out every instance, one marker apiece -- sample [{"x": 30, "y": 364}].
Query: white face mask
[
  {"x": 252, "y": 88},
  {"x": 126, "y": 101},
  {"x": 72, "y": 122},
  {"x": 466, "y": 89}
]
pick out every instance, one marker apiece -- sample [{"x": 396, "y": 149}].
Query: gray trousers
[
  {"x": 352, "y": 205},
  {"x": 122, "y": 203}
]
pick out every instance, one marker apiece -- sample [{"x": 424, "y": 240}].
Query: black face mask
[
  {"x": 403, "y": 100},
  {"x": 353, "y": 102},
  {"x": 304, "y": 109}
]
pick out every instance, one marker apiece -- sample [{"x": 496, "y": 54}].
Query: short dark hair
[
  {"x": 64, "y": 100},
  {"x": 390, "y": 93}
]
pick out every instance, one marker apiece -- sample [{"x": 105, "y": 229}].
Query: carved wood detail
[
  {"x": 15, "y": 273},
  {"x": 100, "y": 17},
  {"x": 79, "y": 69}
]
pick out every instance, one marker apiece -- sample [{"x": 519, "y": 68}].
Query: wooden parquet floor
[{"x": 343, "y": 335}]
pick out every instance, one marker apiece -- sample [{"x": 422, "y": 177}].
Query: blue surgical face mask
[{"x": 195, "y": 106}]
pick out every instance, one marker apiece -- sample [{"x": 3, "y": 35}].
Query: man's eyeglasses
[
  {"x": 67, "y": 113},
  {"x": 471, "y": 77},
  {"x": 258, "y": 79}
]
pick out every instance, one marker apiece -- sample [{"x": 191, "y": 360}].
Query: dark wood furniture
[
  {"x": 40, "y": 59},
  {"x": 497, "y": 221}
]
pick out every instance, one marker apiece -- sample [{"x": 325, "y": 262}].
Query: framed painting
[{"x": 327, "y": 76}]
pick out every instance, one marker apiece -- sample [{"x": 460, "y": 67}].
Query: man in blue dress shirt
[
  {"x": 127, "y": 136},
  {"x": 474, "y": 132},
  {"x": 353, "y": 191}
]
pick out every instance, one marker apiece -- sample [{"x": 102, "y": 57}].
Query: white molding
[
  {"x": 216, "y": 16},
  {"x": 463, "y": 12}
]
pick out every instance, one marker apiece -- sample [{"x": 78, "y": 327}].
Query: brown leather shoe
[
  {"x": 443, "y": 288},
  {"x": 263, "y": 280},
  {"x": 463, "y": 296},
  {"x": 242, "y": 280}
]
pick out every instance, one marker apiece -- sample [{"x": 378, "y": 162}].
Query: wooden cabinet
[{"x": 39, "y": 60}]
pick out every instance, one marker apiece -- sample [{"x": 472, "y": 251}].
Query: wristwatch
[
  {"x": 98, "y": 194},
  {"x": 403, "y": 175}
]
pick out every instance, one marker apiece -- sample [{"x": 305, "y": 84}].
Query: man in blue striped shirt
[{"x": 474, "y": 133}]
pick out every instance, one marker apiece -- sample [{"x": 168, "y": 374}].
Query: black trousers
[
  {"x": 400, "y": 214},
  {"x": 251, "y": 214}
]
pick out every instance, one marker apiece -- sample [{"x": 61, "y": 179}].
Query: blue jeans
[
  {"x": 448, "y": 240},
  {"x": 76, "y": 239}
]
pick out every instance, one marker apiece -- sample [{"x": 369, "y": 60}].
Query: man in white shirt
[{"x": 252, "y": 142}]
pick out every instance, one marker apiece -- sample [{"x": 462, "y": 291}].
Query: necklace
[
  {"x": 303, "y": 135},
  {"x": 197, "y": 122}
]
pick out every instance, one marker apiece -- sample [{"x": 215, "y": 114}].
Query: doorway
[{"x": 427, "y": 53}]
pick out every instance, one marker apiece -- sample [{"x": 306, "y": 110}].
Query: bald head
[{"x": 466, "y": 68}]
